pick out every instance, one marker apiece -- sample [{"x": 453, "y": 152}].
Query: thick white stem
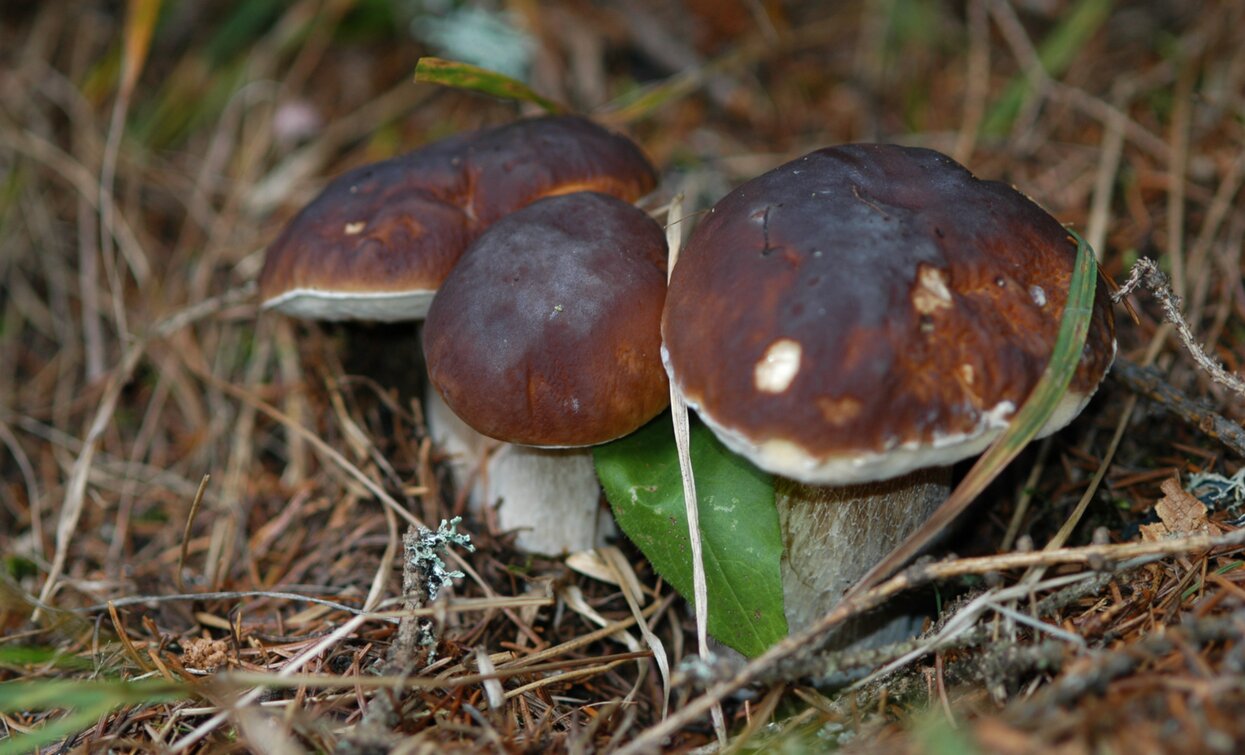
[
  {"x": 549, "y": 497},
  {"x": 833, "y": 535}
]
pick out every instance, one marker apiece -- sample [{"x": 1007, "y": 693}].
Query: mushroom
[
  {"x": 855, "y": 321},
  {"x": 378, "y": 241},
  {"x": 547, "y": 335}
]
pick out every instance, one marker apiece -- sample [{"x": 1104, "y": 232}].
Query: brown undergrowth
[{"x": 275, "y": 607}]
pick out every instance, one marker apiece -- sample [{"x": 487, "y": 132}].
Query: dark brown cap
[
  {"x": 547, "y": 333},
  {"x": 378, "y": 241},
  {"x": 867, "y": 310}
]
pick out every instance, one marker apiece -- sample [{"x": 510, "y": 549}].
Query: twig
[
  {"x": 978, "y": 80},
  {"x": 1104, "y": 183},
  {"x": 1146, "y": 272},
  {"x": 34, "y": 498},
  {"x": 966, "y": 618},
  {"x": 1047, "y": 86},
  {"x": 398, "y": 682},
  {"x": 838, "y": 662},
  {"x": 140, "y": 600},
  {"x": 1182, "y": 109},
  {"x": 1026, "y": 495},
  {"x": 1148, "y": 382},
  {"x": 1069, "y": 526}
]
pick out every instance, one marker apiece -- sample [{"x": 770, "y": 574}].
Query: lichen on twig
[
  {"x": 423, "y": 552},
  {"x": 426, "y": 575},
  {"x": 1146, "y": 272}
]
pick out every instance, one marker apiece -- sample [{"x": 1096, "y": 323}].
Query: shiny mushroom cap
[
  {"x": 378, "y": 241},
  {"x": 547, "y": 332},
  {"x": 868, "y": 310}
]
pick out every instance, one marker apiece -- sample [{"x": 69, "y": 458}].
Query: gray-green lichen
[
  {"x": 424, "y": 555},
  {"x": 427, "y": 574}
]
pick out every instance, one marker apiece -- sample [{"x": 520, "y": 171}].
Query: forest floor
[{"x": 203, "y": 507}]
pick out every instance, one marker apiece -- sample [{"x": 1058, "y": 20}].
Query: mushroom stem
[
  {"x": 549, "y": 496},
  {"x": 832, "y": 535}
]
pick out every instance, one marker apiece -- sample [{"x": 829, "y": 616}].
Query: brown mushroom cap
[
  {"x": 547, "y": 332},
  {"x": 867, "y": 310},
  {"x": 378, "y": 241}
]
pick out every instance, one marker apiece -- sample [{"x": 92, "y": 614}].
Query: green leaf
[
  {"x": 451, "y": 73},
  {"x": 738, "y": 522}
]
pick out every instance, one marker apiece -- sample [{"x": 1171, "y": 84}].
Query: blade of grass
[
  {"x": 451, "y": 73},
  {"x": 1025, "y": 425},
  {"x": 678, "y": 410},
  {"x": 1054, "y": 55},
  {"x": 86, "y": 702}
]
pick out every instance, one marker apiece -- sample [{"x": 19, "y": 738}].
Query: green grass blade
[
  {"x": 55, "y": 731},
  {"x": 1056, "y": 53},
  {"x": 1025, "y": 425},
  {"x": 451, "y": 73},
  {"x": 84, "y": 700},
  {"x": 18, "y": 657}
]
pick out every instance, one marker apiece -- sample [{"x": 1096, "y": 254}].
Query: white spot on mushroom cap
[
  {"x": 776, "y": 370},
  {"x": 931, "y": 292},
  {"x": 355, "y": 228},
  {"x": 1039, "y": 296}
]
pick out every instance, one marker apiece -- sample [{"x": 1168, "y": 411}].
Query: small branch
[
  {"x": 1147, "y": 382},
  {"x": 142, "y": 600},
  {"x": 1146, "y": 272}
]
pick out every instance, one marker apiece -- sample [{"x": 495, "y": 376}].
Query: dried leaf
[{"x": 1179, "y": 513}]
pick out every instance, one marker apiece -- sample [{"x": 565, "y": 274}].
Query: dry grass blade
[
  {"x": 190, "y": 521},
  {"x": 678, "y": 412},
  {"x": 619, "y": 564}
]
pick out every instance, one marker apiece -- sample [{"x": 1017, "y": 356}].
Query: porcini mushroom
[
  {"x": 858, "y": 319},
  {"x": 378, "y": 241},
  {"x": 546, "y": 335}
]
